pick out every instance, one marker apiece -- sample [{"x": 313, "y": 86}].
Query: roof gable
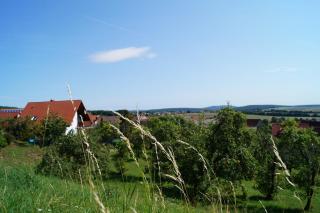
[{"x": 64, "y": 109}]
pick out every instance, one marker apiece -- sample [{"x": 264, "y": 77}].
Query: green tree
[
  {"x": 228, "y": 147},
  {"x": 125, "y": 127},
  {"x": 139, "y": 142},
  {"x": 266, "y": 167},
  {"x": 308, "y": 163},
  {"x": 22, "y": 128},
  {"x": 288, "y": 143},
  {"x": 103, "y": 133},
  {"x": 300, "y": 149},
  {"x": 169, "y": 130},
  {"x": 121, "y": 156},
  {"x": 131, "y": 133},
  {"x": 67, "y": 158},
  {"x": 51, "y": 129}
]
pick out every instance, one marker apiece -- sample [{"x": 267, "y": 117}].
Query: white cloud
[
  {"x": 116, "y": 55},
  {"x": 282, "y": 70}
]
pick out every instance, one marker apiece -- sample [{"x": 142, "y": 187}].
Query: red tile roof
[
  {"x": 251, "y": 122},
  {"x": 9, "y": 113},
  {"x": 64, "y": 109},
  {"x": 276, "y": 129},
  {"x": 93, "y": 117}
]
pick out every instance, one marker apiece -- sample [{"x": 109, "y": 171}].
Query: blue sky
[{"x": 154, "y": 54}]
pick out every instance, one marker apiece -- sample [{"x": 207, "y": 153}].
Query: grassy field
[{"x": 21, "y": 190}]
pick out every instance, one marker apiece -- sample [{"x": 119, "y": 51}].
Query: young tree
[
  {"x": 288, "y": 143},
  {"x": 51, "y": 129},
  {"x": 169, "y": 130},
  {"x": 121, "y": 155},
  {"x": 228, "y": 147},
  {"x": 139, "y": 142},
  {"x": 103, "y": 133},
  {"x": 266, "y": 167},
  {"x": 300, "y": 149},
  {"x": 22, "y": 129},
  {"x": 308, "y": 163},
  {"x": 67, "y": 158},
  {"x": 125, "y": 127}
]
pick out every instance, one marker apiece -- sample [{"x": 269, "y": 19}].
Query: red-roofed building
[
  {"x": 276, "y": 129},
  {"x": 72, "y": 112},
  {"x": 253, "y": 123},
  {"x": 93, "y": 118},
  {"x": 315, "y": 125},
  {"x": 9, "y": 113}
]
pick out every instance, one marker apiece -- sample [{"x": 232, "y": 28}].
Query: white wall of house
[{"x": 74, "y": 125}]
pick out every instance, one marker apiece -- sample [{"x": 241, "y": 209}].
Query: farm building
[
  {"x": 72, "y": 112},
  {"x": 315, "y": 125},
  {"x": 253, "y": 123}
]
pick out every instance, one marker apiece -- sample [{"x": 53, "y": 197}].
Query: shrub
[
  {"x": 22, "y": 129},
  {"x": 51, "y": 129},
  {"x": 67, "y": 158}
]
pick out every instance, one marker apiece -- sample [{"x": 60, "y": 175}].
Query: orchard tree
[
  {"x": 52, "y": 128},
  {"x": 177, "y": 134},
  {"x": 139, "y": 142},
  {"x": 300, "y": 149},
  {"x": 228, "y": 147},
  {"x": 266, "y": 167},
  {"x": 121, "y": 155},
  {"x": 125, "y": 127},
  {"x": 22, "y": 129},
  {"x": 103, "y": 133},
  {"x": 307, "y": 163}
]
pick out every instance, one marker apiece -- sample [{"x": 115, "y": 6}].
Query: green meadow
[{"x": 21, "y": 190}]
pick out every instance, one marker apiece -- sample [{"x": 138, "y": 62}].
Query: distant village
[{"x": 75, "y": 114}]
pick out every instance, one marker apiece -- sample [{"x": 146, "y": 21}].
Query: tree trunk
[{"x": 310, "y": 191}]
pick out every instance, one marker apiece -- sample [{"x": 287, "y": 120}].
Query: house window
[{"x": 33, "y": 118}]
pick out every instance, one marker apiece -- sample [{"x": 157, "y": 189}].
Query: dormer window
[{"x": 33, "y": 118}]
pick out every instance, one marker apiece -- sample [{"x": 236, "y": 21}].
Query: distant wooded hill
[
  {"x": 267, "y": 109},
  {"x": 247, "y": 108}
]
